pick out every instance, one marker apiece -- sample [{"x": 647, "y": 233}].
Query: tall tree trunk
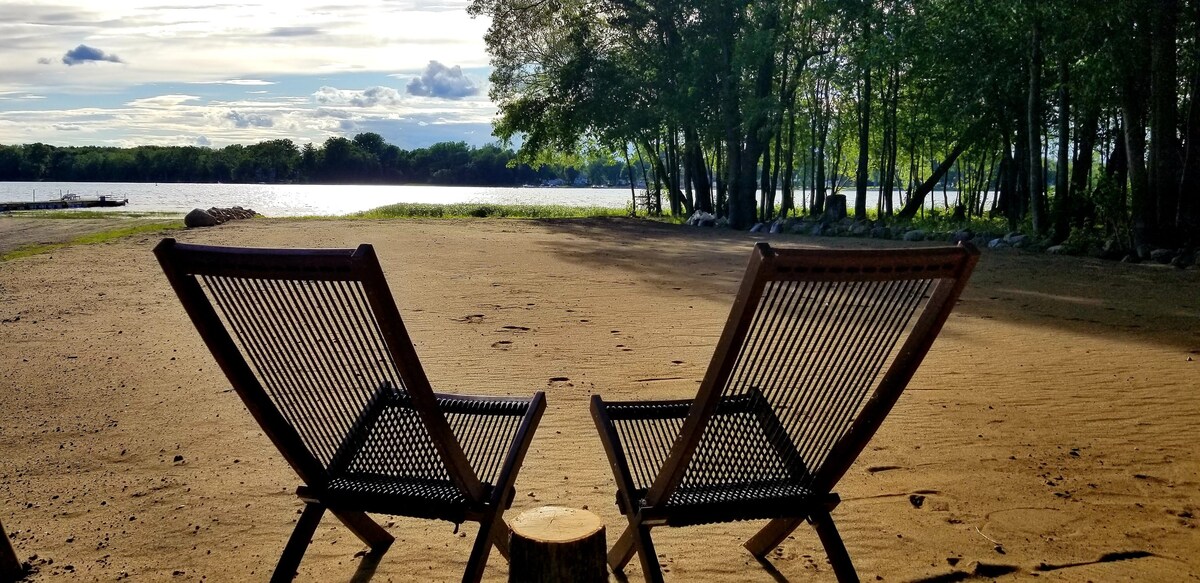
[
  {"x": 1133, "y": 120},
  {"x": 1164, "y": 146},
  {"x": 789, "y": 165},
  {"x": 693, "y": 158},
  {"x": 1062, "y": 188},
  {"x": 918, "y": 198},
  {"x": 1009, "y": 197},
  {"x": 1085, "y": 130},
  {"x": 864, "y": 123},
  {"x": 1189, "y": 186},
  {"x": 1036, "y": 176}
]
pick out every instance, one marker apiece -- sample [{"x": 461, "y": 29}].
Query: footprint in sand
[
  {"x": 515, "y": 328},
  {"x": 470, "y": 318},
  {"x": 502, "y": 344}
]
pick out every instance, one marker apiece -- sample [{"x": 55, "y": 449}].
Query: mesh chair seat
[{"x": 744, "y": 470}]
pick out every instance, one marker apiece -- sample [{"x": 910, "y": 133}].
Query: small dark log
[{"x": 553, "y": 543}]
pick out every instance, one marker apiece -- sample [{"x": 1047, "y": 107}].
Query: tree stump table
[{"x": 553, "y": 543}]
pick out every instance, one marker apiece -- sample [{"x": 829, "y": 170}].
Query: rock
[
  {"x": 914, "y": 235},
  {"x": 860, "y": 229},
  {"x": 777, "y": 226},
  {"x": 200, "y": 218},
  {"x": 1131, "y": 258},
  {"x": 698, "y": 219},
  {"x": 962, "y": 236},
  {"x": 997, "y": 244},
  {"x": 800, "y": 227},
  {"x": 1057, "y": 250},
  {"x": 1184, "y": 260},
  {"x": 757, "y": 228},
  {"x": 819, "y": 229},
  {"x": 1163, "y": 256},
  {"x": 881, "y": 233},
  {"x": 1016, "y": 240}
]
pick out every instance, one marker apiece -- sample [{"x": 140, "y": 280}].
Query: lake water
[
  {"x": 289, "y": 200},
  {"x": 280, "y": 200}
]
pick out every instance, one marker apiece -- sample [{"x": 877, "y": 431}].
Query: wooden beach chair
[
  {"x": 314, "y": 345},
  {"x": 816, "y": 350}
]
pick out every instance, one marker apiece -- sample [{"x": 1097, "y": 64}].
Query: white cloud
[
  {"x": 162, "y": 101},
  {"x": 370, "y": 97},
  {"x": 438, "y": 80}
]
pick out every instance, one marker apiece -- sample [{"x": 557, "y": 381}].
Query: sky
[{"x": 161, "y": 72}]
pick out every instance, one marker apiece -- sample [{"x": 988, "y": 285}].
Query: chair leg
[
  {"x": 289, "y": 561},
  {"x": 771, "y": 536},
  {"x": 10, "y": 565},
  {"x": 835, "y": 549},
  {"x": 622, "y": 551},
  {"x": 482, "y": 548},
  {"x": 367, "y": 530},
  {"x": 500, "y": 533},
  {"x": 651, "y": 569}
]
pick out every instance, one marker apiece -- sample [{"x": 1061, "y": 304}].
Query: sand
[{"x": 1052, "y": 431}]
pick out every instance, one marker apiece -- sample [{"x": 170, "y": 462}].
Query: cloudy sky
[{"x": 131, "y": 72}]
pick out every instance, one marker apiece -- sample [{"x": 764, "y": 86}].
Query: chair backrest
[
  {"x": 309, "y": 338},
  {"x": 817, "y": 348}
]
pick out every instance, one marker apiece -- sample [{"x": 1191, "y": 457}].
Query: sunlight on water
[{"x": 276, "y": 200}]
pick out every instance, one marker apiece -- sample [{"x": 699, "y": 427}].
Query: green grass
[
  {"x": 92, "y": 238},
  {"x": 482, "y": 210}
]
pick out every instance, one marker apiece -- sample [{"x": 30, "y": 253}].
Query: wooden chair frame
[
  {"x": 10, "y": 565},
  {"x": 948, "y": 268},
  {"x": 480, "y": 502}
]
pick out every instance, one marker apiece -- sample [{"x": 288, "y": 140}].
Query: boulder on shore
[
  {"x": 200, "y": 218},
  {"x": 215, "y": 216}
]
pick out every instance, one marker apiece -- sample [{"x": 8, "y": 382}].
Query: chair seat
[{"x": 736, "y": 501}]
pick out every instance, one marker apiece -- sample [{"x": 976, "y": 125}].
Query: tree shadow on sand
[{"x": 1148, "y": 303}]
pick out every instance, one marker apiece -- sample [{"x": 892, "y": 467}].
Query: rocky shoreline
[{"x": 825, "y": 226}]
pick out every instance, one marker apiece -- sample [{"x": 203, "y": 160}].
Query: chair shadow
[
  {"x": 366, "y": 568},
  {"x": 771, "y": 570}
]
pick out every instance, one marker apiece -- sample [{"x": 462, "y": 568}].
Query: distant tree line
[{"x": 366, "y": 158}]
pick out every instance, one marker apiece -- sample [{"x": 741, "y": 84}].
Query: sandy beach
[{"x": 1052, "y": 432}]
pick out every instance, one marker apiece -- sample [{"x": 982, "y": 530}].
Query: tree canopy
[{"x": 1059, "y": 116}]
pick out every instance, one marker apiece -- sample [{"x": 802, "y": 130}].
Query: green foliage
[
  {"x": 1083, "y": 240},
  {"x": 365, "y": 159}
]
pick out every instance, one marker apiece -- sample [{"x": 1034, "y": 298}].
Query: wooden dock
[{"x": 62, "y": 203}]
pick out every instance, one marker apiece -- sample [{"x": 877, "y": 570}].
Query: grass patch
[
  {"x": 92, "y": 238},
  {"x": 408, "y": 210}
]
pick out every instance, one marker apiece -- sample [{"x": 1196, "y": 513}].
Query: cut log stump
[{"x": 553, "y": 543}]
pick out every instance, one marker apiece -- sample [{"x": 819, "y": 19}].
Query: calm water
[
  {"x": 278, "y": 200},
  {"x": 282, "y": 200}
]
